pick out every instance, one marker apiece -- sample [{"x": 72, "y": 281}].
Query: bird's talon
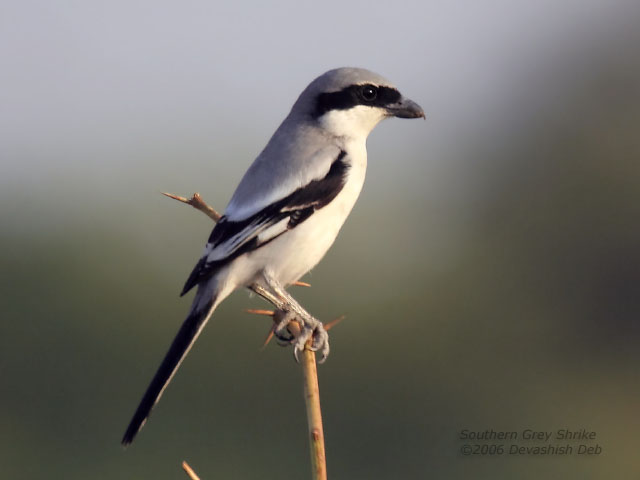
[
  {"x": 325, "y": 352},
  {"x": 284, "y": 319},
  {"x": 320, "y": 338},
  {"x": 296, "y": 351}
]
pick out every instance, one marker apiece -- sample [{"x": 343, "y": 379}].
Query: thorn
[
  {"x": 301, "y": 284},
  {"x": 196, "y": 202},
  {"x": 269, "y": 337},
  {"x": 192, "y": 475},
  {"x": 267, "y": 313},
  {"x": 175, "y": 197},
  {"x": 334, "y": 322}
]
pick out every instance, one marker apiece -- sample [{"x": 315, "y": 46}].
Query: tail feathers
[{"x": 181, "y": 345}]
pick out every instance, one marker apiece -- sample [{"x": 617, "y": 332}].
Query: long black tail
[{"x": 187, "y": 335}]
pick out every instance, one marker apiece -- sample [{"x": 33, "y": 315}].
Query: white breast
[{"x": 294, "y": 253}]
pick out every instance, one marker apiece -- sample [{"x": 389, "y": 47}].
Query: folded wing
[{"x": 229, "y": 238}]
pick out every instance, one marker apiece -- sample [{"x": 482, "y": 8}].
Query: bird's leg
[
  {"x": 281, "y": 313},
  {"x": 289, "y": 310}
]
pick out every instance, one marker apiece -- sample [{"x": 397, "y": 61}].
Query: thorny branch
[{"x": 308, "y": 359}]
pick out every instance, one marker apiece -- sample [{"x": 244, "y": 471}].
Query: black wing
[{"x": 229, "y": 239}]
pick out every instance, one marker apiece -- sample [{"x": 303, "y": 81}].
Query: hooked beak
[{"x": 405, "y": 108}]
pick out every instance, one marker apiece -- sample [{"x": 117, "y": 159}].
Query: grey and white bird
[{"x": 287, "y": 210}]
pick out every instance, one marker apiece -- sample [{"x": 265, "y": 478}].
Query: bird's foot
[
  {"x": 310, "y": 329},
  {"x": 283, "y": 336}
]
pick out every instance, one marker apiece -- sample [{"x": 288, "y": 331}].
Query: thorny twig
[{"x": 308, "y": 360}]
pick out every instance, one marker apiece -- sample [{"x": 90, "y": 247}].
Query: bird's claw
[
  {"x": 280, "y": 330},
  {"x": 311, "y": 330},
  {"x": 283, "y": 337},
  {"x": 319, "y": 342},
  {"x": 300, "y": 342}
]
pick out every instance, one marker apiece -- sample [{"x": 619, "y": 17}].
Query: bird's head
[{"x": 350, "y": 102}]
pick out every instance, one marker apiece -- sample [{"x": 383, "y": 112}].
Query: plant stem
[{"x": 314, "y": 416}]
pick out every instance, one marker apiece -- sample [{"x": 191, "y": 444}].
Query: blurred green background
[{"x": 490, "y": 271}]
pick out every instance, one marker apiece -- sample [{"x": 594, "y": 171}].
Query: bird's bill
[{"x": 405, "y": 108}]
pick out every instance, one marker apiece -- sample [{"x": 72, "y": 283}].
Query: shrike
[{"x": 287, "y": 210}]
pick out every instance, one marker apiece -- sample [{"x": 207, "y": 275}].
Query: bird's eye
[{"x": 369, "y": 92}]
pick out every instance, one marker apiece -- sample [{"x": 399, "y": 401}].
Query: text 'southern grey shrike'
[{"x": 287, "y": 210}]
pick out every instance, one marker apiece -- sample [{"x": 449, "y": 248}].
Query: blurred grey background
[{"x": 490, "y": 271}]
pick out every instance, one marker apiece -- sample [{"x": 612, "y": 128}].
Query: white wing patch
[
  {"x": 230, "y": 245},
  {"x": 273, "y": 231}
]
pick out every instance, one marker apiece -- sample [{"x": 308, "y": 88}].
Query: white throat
[{"x": 354, "y": 123}]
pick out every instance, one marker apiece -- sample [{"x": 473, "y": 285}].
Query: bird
[{"x": 286, "y": 211}]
